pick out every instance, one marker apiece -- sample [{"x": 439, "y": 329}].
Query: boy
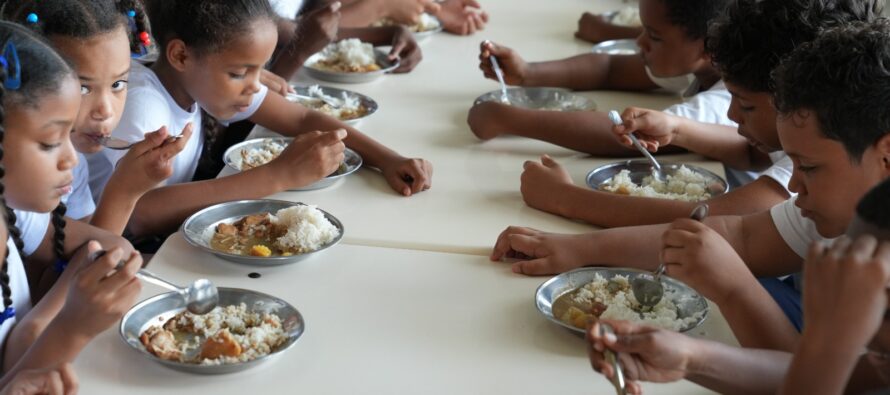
[{"x": 840, "y": 145}]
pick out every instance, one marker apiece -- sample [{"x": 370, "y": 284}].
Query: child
[
  {"x": 213, "y": 52},
  {"x": 846, "y": 311},
  {"x": 95, "y": 37},
  {"x": 672, "y": 46},
  {"x": 840, "y": 147},
  {"x": 41, "y": 98},
  {"x": 745, "y": 43}
]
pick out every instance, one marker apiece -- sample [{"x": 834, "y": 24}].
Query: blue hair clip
[
  {"x": 32, "y": 18},
  {"x": 131, "y": 13},
  {"x": 10, "y": 62},
  {"x": 60, "y": 265},
  {"x": 7, "y": 313}
]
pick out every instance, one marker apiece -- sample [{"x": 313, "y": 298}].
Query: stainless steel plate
[
  {"x": 687, "y": 300},
  {"x": 350, "y": 78},
  {"x": 157, "y": 310},
  {"x": 366, "y": 101},
  {"x": 352, "y": 161},
  {"x": 555, "y": 99},
  {"x": 198, "y": 229},
  {"x": 617, "y": 47},
  {"x": 640, "y": 168},
  {"x": 429, "y": 33}
]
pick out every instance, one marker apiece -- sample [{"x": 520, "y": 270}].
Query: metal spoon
[
  {"x": 649, "y": 291},
  {"x": 615, "y": 117},
  {"x": 500, "y": 74},
  {"x": 200, "y": 297},
  {"x": 324, "y": 98},
  {"x": 612, "y": 358},
  {"x": 121, "y": 145}
]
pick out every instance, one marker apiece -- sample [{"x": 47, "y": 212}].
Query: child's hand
[
  {"x": 593, "y": 28},
  {"x": 646, "y": 353},
  {"x": 653, "y": 128},
  {"x": 310, "y": 157},
  {"x": 462, "y": 17},
  {"x": 150, "y": 161},
  {"x": 318, "y": 28},
  {"x": 405, "y": 48},
  {"x": 488, "y": 120},
  {"x": 407, "y": 12},
  {"x": 847, "y": 290},
  {"x": 700, "y": 257},
  {"x": 408, "y": 176},
  {"x": 60, "y": 380},
  {"x": 100, "y": 292},
  {"x": 540, "y": 253},
  {"x": 514, "y": 67},
  {"x": 540, "y": 182},
  {"x": 275, "y": 83}
]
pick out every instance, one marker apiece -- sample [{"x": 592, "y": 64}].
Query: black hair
[
  {"x": 82, "y": 19},
  {"x": 843, "y": 78},
  {"x": 204, "y": 25},
  {"x": 873, "y": 206},
  {"x": 13, "y": 231},
  {"x": 750, "y": 39},
  {"x": 693, "y": 16}
]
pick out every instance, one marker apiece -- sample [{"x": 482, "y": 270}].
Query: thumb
[
  {"x": 431, "y": 7},
  {"x": 397, "y": 48},
  {"x": 548, "y": 161},
  {"x": 151, "y": 141},
  {"x": 334, "y": 137}
]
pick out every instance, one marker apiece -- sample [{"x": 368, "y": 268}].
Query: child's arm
[
  {"x": 462, "y": 17},
  {"x": 754, "y": 237},
  {"x": 582, "y": 72},
  {"x": 595, "y": 28},
  {"x": 309, "y": 158},
  {"x": 844, "y": 306},
  {"x": 315, "y": 30},
  {"x": 146, "y": 164},
  {"x": 56, "y": 380},
  {"x": 585, "y": 131},
  {"x": 547, "y": 186},
  {"x": 656, "y": 129},
  {"x": 404, "y": 175},
  {"x": 99, "y": 294},
  {"x": 659, "y": 355},
  {"x": 404, "y": 46},
  {"x": 363, "y": 13}
]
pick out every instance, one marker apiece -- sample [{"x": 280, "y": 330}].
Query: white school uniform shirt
[
  {"x": 796, "y": 230},
  {"x": 18, "y": 284},
  {"x": 149, "y": 106},
  {"x": 34, "y": 227},
  {"x": 286, "y": 9},
  {"x": 80, "y": 201}
]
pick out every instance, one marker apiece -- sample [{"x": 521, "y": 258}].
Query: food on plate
[
  {"x": 348, "y": 56},
  {"x": 294, "y": 230},
  {"x": 682, "y": 184}
]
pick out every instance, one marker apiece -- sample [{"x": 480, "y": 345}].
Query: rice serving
[
  {"x": 683, "y": 184},
  {"x": 613, "y": 299},
  {"x": 350, "y": 55},
  {"x": 294, "y": 230},
  {"x": 307, "y": 229},
  {"x": 628, "y": 16},
  {"x": 347, "y": 106},
  {"x": 258, "y": 156}
]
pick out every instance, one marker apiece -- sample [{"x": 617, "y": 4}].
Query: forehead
[
  {"x": 254, "y": 47},
  {"x": 653, "y": 14},
  {"x": 801, "y": 136},
  {"x": 104, "y": 53}
]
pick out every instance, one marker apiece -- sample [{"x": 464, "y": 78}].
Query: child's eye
[
  {"x": 49, "y": 147},
  {"x": 746, "y": 108},
  {"x": 805, "y": 169},
  {"x": 84, "y": 90},
  {"x": 238, "y": 76},
  {"x": 118, "y": 86}
]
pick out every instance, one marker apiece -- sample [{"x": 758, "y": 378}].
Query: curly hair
[
  {"x": 750, "y": 39},
  {"x": 205, "y": 25},
  {"x": 873, "y": 206},
  {"x": 843, "y": 77},
  {"x": 694, "y": 16}
]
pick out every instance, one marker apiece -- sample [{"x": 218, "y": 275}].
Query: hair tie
[
  {"x": 8, "y": 313},
  {"x": 60, "y": 265},
  {"x": 9, "y": 59},
  {"x": 131, "y": 13},
  {"x": 32, "y": 18}
]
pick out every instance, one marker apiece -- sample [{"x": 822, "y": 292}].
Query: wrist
[
  {"x": 531, "y": 75},
  {"x": 679, "y": 137}
]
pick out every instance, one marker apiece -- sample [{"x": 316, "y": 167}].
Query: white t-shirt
[
  {"x": 80, "y": 201},
  {"x": 18, "y": 283},
  {"x": 149, "y": 106},
  {"x": 780, "y": 171},
  {"x": 34, "y": 227},
  {"x": 679, "y": 84},
  {"x": 709, "y": 106},
  {"x": 286, "y": 9},
  {"x": 798, "y": 232}
]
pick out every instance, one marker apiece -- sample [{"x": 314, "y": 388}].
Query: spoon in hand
[
  {"x": 122, "y": 145},
  {"x": 615, "y": 117}
]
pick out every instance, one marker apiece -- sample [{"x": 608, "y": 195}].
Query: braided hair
[
  {"x": 83, "y": 19},
  {"x": 14, "y": 231}
]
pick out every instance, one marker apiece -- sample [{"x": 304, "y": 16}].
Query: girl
[
  {"x": 41, "y": 99},
  {"x": 96, "y": 38},
  {"x": 212, "y": 55}
]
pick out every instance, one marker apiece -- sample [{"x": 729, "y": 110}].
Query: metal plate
[
  {"x": 617, "y": 47},
  {"x": 428, "y": 33},
  {"x": 366, "y": 101},
  {"x": 352, "y": 160},
  {"x": 157, "y": 310},
  {"x": 555, "y": 99},
  {"x": 690, "y": 302},
  {"x": 640, "y": 168},
  {"x": 351, "y": 78},
  {"x": 198, "y": 229}
]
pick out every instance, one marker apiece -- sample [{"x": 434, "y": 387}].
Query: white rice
[
  {"x": 684, "y": 184},
  {"x": 347, "y": 105},
  {"x": 257, "y": 156},
  {"x": 307, "y": 229},
  {"x": 628, "y": 16},
  {"x": 426, "y": 23},
  {"x": 350, "y": 52}
]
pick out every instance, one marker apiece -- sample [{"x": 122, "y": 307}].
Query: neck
[
  {"x": 707, "y": 77},
  {"x": 859, "y": 227},
  {"x": 169, "y": 79}
]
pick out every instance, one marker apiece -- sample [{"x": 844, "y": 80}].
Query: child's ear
[
  {"x": 177, "y": 54},
  {"x": 883, "y": 149}
]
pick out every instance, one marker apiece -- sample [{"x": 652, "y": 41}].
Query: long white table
[
  {"x": 381, "y": 320},
  {"x": 408, "y": 302}
]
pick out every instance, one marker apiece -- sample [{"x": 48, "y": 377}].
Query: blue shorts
[{"x": 787, "y": 296}]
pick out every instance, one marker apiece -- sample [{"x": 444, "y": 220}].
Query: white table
[
  {"x": 409, "y": 303},
  {"x": 380, "y": 320}
]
